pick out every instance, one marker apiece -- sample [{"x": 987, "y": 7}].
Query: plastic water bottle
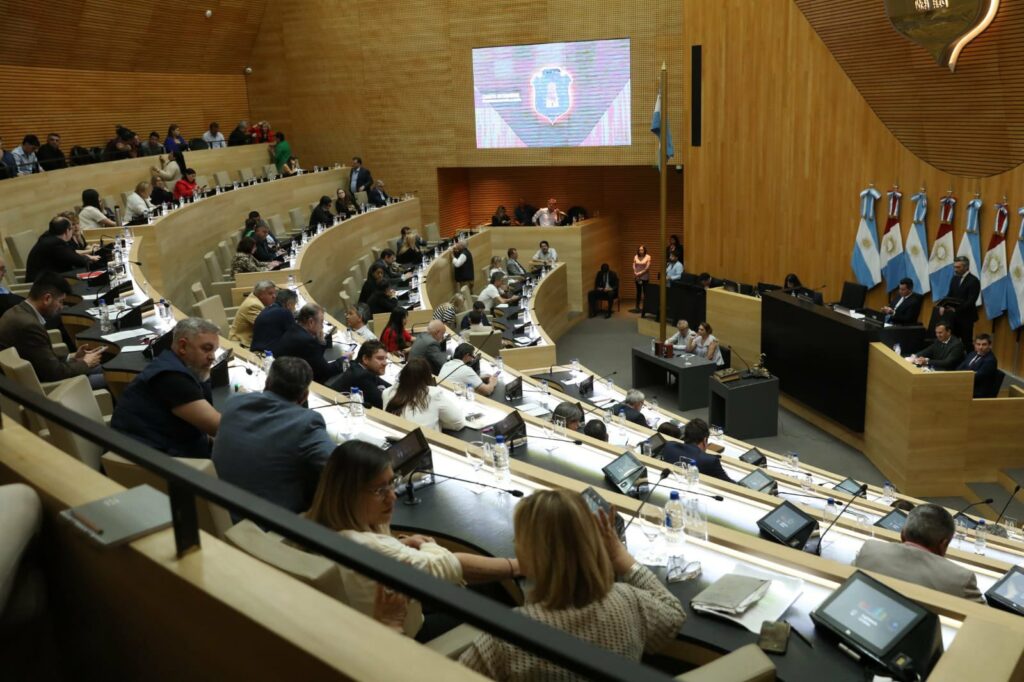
[
  {"x": 268, "y": 362},
  {"x": 501, "y": 472},
  {"x": 980, "y": 536},
  {"x": 888, "y": 492},
  {"x": 830, "y": 510},
  {"x": 499, "y": 364},
  {"x": 291, "y": 281},
  {"x": 105, "y": 326},
  {"x": 356, "y": 407},
  {"x": 162, "y": 310},
  {"x": 675, "y": 523}
]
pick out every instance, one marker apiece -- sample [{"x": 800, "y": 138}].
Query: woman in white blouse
[
  {"x": 356, "y": 497},
  {"x": 416, "y": 398},
  {"x": 138, "y": 205},
  {"x": 585, "y": 583},
  {"x": 91, "y": 214},
  {"x": 642, "y": 274},
  {"x": 705, "y": 345}
]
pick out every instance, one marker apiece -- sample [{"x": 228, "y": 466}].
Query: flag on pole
[
  {"x": 656, "y": 122},
  {"x": 891, "y": 254},
  {"x": 865, "y": 247},
  {"x": 970, "y": 243},
  {"x": 1015, "y": 292},
  {"x": 994, "y": 282},
  {"x": 940, "y": 263},
  {"x": 916, "y": 259}
]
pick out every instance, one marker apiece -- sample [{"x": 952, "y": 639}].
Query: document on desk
[
  {"x": 533, "y": 409},
  {"x": 127, "y": 334},
  {"x": 784, "y": 590}
]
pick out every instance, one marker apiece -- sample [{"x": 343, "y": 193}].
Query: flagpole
[{"x": 663, "y": 133}]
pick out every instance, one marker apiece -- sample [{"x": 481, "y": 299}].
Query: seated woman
[
  {"x": 186, "y": 187},
  {"x": 459, "y": 302},
  {"x": 705, "y": 345},
  {"x": 245, "y": 259},
  {"x": 496, "y": 265},
  {"x": 409, "y": 252},
  {"x": 159, "y": 194},
  {"x": 445, "y": 313},
  {"x": 416, "y": 398},
  {"x": 584, "y": 582},
  {"x": 356, "y": 497},
  {"x": 396, "y": 338},
  {"x": 170, "y": 168},
  {"x": 138, "y": 207},
  {"x": 78, "y": 241},
  {"x": 343, "y": 205},
  {"x": 290, "y": 167},
  {"x": 500, "y": 217},
  {"x": 91, "y": 214}
]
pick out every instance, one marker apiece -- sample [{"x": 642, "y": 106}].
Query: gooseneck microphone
[
  {"x": 971, "y": 506},
  {"x": 410, "y": 491},
  {"x": 860, "y": 491},
  {"x": 573, "y": 441},
  {"x": 665, "y": 473},
  {"x": 996, "y": 529},
  {"x": 717, "y": 498}
]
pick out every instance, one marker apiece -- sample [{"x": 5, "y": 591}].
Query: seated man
[
  {"x": 982, "y": 361},
  {"x": 367, "y": 374},
  {"x": 274, "y": 320},
  {"x": 321, "y": 215},
  {"x": 476, "y": 322},
  {"x": 694, "y": 448},
  {"x": 571, "y": 413},
  {"x": 944, "y": 353},
  {"x": 382, "y": 300},
  {"x": 630, "y": 407},
  {"x": 460, "y": 370},
  {"x": 51, "y": 157},
  {"x": 393, "y": 271},
  {"x": 479, "y": 308},
  {"x": 355, "y": 319},
  {"x": 905, "y": 307},
  {"x": 305, "y": 339},
  {"x": 23, "y": 327},
  {"x": 920, "y": 557},
  {"x": 606, "y": 288},
  {"x": 169, "y": 405},
  {"x": 263, "y": 294},
  {"x": 269, "y": 443},
  {"x": 267, "y": 250},
  {"x": 430, "y": 345},
  {"x": 25, "y": 158},
  {"x": 673, "y": 271},
  {"x": 551, "y": 215},
  {"x": 54, "y": 252},
  {"x": 595, "y": 428},
  {"x": 512, "y": 265},
  {"x": 545, "y": 255},
  {"x": 494, "y": 293},
  {"x": 377, "y": 195},
  {"x": 524, "y": 212},
  {"x": 683, "y": 336}
]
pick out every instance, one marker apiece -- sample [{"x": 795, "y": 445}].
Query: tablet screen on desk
[
  {"x": 410, "y": 453},
  {"x": 1009, "y": 591},
  {"x": 757, "y": 480},
  {"x": 894, "y": 521},
  {"x": 624, "y": 471},
  {"x": 870, "y": 614},
  {"x": 514, "y": 389},
  {"x": 849, "y": 486}
]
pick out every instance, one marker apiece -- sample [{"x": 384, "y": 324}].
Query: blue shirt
[{"x": 674, "y": 272}]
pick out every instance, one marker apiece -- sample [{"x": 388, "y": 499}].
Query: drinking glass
[
  {"x": 692, "y": 477},
  {"x": 652, "y": 524},
  {"x": 793, "y": 460},
  {"x": 1012, "y": 528},
  {"x": 549, "y": 434},
  {"x": 696, "y": 518},
  {"x": 716, "y": 431},
  {"x": 655, "y": 415},
  {"x": 477, "y": 463},
  {"x": 680, "y": 472},
  {"x": 806, "y": 482},
  {"x": 575, "y": 362},
  {"x": 559, "y": 425},
  {"x": 961, "y": 531}
]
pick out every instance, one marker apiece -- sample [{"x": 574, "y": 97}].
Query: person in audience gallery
[
  {"x": 695, "y": 437},
  {"x": 8, "y": 165},
  {"x": 629, "y": 408},
  {"x": 356, "y": 317},
  {"x": 169, "y": 405},
  {"x": 261, "y": 133},
  {"x": 944, "y": 353},
  {"x": 239, "y": 136},
  {"x": 53, "y": 251},
  {"x": 360, "y": 179},
  {"x": 152, "y": 146},
  {"x": 175, "y": 142},
  {"x": 982, "y": 361},
  {"x": 641, "y": 275},
  {"x": 905, "y": 306},
  {"x": 706, "y": 281},
  {"x": 409, "y": 254},
  {"x": 343, "y": 205},
  {"x": 583, "y": 581},
  {"x": 920, "y": 557},
  {"x": 550, "y": 215},
  {"x": 367, "y": 374},
  {"x": 462, "y": 265},
  {"x": 245, "y": 260},
  {"x": 415, "y": 397},
  {"x": 478, "y": 307},
  {"x": 684, "y": 336},
  {"x": 596, "y": 428},
  {"x": 496, "y": 293},
  {"x": 51, "y": 156},
  {"x": 263, "y": 295},
  {"x": 673, "y": 270},
  {"x": 138, "y": 207},
  {"x": 280, "y": 151},
  {"x": 23, "y": 327},
  {"x": 91, "y": 215},
  {"x": 320, "y": 215},
  {"x": 356, "y": 497},
  {"x": 704, "y": 345},
  {"x": 606, "y": 288},
  {"x": 570, "y": 413},
  {"x": 429, "y": 345},
  {"x": 186, "y": 187},
  {"x": 500, "y": 218},
  {"x": 377, "y": 196},
  {"x": 25, "y": 160},
  {"x": 290, "y": 167},
  {"x": 676, "y": 247},
  {"x": 545, "y": 255},
  {"x": 524, "y": 212},
  {"x": 406, "y": 231},
  {"x": 395, "y": 337},
  {"x": 269, "y": 443},
  {"x": 460, "y": 369},
  {"x": 213, "y": 138},
  {"x": 124, "y": 145},
  {"x": 274, "y": 320},
  {"x": 305, "y": 339}
]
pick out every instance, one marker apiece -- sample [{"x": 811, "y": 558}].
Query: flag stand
[{"x": 662, "y": 133}]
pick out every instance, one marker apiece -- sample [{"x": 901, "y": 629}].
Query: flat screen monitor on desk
[
  {"x": 411, "y": 452},
  {"x": 625, "y": 473},
  {"x": 759, "y": 481},
  {"x": 787, "y": 525},
  {"x": 894, "y": 521},
  {"x": 514, "y": 389},
  {"x": 888, "y": 631},
  {"x": 513, "y": 428},
  {"x": 657, "y": 443},
  {"x": 1008, "y": 593},
  {"x": 755, "y": 457},
  {"x": 850, "y": 487}
]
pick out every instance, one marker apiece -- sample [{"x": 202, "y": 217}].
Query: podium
[{"x": 745, "y": 408}]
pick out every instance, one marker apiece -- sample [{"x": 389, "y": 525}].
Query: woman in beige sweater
[{"x": 573, "y": 560}]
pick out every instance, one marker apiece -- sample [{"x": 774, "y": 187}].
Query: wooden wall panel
[
  {"x": 970, "y": 122},
  {"x": 789, "y": 143}
]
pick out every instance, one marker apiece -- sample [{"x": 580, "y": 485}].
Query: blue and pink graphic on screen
[{"x": 552, "y": 95}]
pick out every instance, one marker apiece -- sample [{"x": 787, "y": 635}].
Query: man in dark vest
[
  {"x": 169, "y": 405},
  {"x": 462, "y": 262}
]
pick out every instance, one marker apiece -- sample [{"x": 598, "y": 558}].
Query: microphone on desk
[
  {"x": 996, "y": 529},
  {"x": 556, "y": 440},
  {"x": 410, "y": 491},
  {"x": 665, "y": 473},
  {"x": 971, "y": 505},
  {"x": 608, "y": 375},
  {"x": 816, "y": 550},
  {"x": 716, "y": 497},
  {"x": 308, "y": 281}
]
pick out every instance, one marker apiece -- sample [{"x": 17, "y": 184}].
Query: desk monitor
[
  {"x": 1008, "y": 593},
  {"x": 159, "y": 345},
  {"x": 513, "y": 428},
  {"x": 219, "y": 371},
  {"x": 625, "y": 472},
  {"x": 894, "y": 520},
  {"x": 746, "y": 289},
  {"x": 657, "y": 443},
  {"x": 764, "y": 287},
  {"x": 787, "y": 525},
  {"x": 759, "y": 481},
  {"x": 587, "y": 386},
  {"x": 411, "y": 452},
  {"x": 731, "y": 286},
  {"x": 514, "y": 389},
  {"x": 755, "y": 457},
  {"x": 850, "y": 487},
  {"x": 889, "y": 631},
  {"x": 965, "y": 520}
]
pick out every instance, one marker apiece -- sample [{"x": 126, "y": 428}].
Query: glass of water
[
  {"x": 716, "y": 431},
  {"x": 477, "y": 463},
  {"x": 793, "y": 460},
  {"x": 696, "y": 518},
  {"x": 680, "y": 472},
  {"x": 806, "y": 482},
  {"x": 575, "y": 362},
  {"x": 655, "y": 415},
  {"x": 693, "y": 477},
  {"x": 559, "y": 425},
  {"x": 1012, "y": 527}
]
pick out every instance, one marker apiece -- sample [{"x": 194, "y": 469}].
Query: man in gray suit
[
  {"x": 944, "y": 353},
  {"x": 920, "y": 557},
  {"x": 430, "y": 345},
  {"x": 270, "y": 444}
]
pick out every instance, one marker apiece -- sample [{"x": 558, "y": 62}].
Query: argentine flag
[
  {"x": 994, "y": 282},
  {"x": 864, "y": 262},
  {"x": 656, "y": 129},
  {"x": 891, "y": 254},
  {"x": 940, "y": 263},
  {"x": 1015, "y": 292},
  {"x": 970, "y": 243},
  {"x": 916, "y": 258}
]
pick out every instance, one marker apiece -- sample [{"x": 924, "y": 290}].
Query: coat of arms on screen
[
  {"x": 942, "y": 27},
  {"x": 552, "y": 98}
]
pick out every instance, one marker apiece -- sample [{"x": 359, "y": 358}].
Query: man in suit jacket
[
  {"x": 630, "y": 407},
  {"x": 367, "y": 374},
  {"x": 263, "y": 294},
  {"x": 274, "y": 320},
  {"x": 360, "y": 179},
  {"x": 964, "y": 289},
  {"x": 377, "y": 195},
  {"x": 983, "y": 363},
  {"x": 905, "y": 307},
  {"x": 920, "y": 557},
  {"x": 944, "y": 353},
  {"x": 53, "y": 251},
  {"x": 694, "y": 448},
  {"x": 606, "y": 288},
  {"x": 23, "y": 327},
  {"x": 430, "y": 345},
  {"x": 270, "y": 444},
  {"x": 305, "y": 339}
]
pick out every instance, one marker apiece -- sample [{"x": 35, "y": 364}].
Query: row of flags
[{"x": 1002, "y": 286}]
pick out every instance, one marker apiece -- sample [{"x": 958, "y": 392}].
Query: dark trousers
[
  {"x": 963, "y": 330},
  {"x": 597, "y": 295},
  {"x": 641, "y": 291}
]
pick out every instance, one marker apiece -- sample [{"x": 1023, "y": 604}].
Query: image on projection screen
[{"x": 552, "y": 95}]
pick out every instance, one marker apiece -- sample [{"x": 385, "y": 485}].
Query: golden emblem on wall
[{"x": 942, "y": 27}]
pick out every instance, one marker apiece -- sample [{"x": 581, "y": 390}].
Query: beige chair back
[
  {"x": 211, "y": 268},
  {"x": 433, "y": 232},
  {"x": 21, "y": 372},
  {"x": 364, "y": 265},
  {"x": 110, "y": 202},
  {"x": 746, "y": 664},
  {"x": 375, "y": 250},
  {"x": 467, "y": 295},
  {"x": 299, "y": 219},
  {"x": 202, "y": 181},
  {"x": 246, "y": 174},
  {"x": 348, "y": 285},
  {"x": 18, "y": 245},
  {"x": 212, "y": 309},
  {"x": 361, "y": 198},
  {"x": 212, "y": 518},
  {"x": 277, "y": 227},
  {"x": 224, "y": 255},
  {"x": 223, "y": 178},
  {"x": 76, "y": 395},
  {"x": 270, "y": 171},
  {"x": 346, "y": 301},
  {"x": 486, "y": 341},
  {"x": 198, "y": 292}
]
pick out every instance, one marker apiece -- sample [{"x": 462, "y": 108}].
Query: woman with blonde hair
[
  {"x": 573, "y": 560},
  {"x": 459, "y": 302},
  {"x": 356, "y": 497}
]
